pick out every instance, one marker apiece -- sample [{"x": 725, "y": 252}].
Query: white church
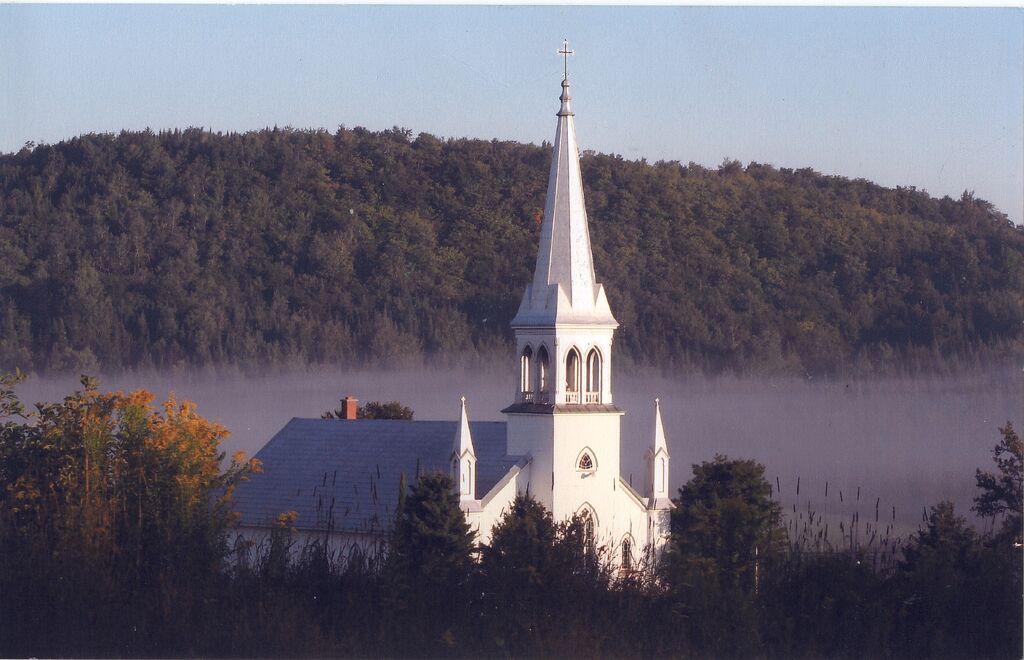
[{"x": 561, "y": 442}]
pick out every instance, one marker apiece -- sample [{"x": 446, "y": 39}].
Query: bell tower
[
  {"x": 562, "y": 413},
  {"x": 564, "y": 326}
]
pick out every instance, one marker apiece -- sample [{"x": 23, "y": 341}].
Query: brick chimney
[{"x": 349, "y": 407}]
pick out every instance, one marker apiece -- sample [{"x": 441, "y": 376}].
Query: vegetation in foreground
[
  {"x": 194, "y": 248},
  {"x": 115, "y": 527}
]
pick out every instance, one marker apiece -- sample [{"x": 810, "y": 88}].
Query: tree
[
  {"x": 724, "y": 517},
  {"x": 374, "y": 410},
  {"x": 723, "y": 523},
  {"x": 517, "y": 572},
  {"x": 954, "y": 591},
  {"x": 1001, "y": 493},
  {"x": 429, "y": 564},
  {"x": 113, "y": 520},
  {"x": 385, "y": 410}
]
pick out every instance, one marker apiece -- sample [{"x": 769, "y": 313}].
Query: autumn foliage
[{"x": 113, "y": 514}]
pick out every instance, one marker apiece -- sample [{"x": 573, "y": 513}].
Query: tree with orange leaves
[{"x": 106, "y": 500}]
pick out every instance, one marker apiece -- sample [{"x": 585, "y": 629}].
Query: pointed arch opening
[
  {"x": 573, "y": 369},
  {"x": 627, "y": 553},
  {"x": 543, "y": 375},
  {"x": 588, "y": 520},
  {"x": 586, "y": 460},
  {"x": 593, "y": 381},
  {"x": 526, "y": 375},
  {"x": 662, "y": 470}
]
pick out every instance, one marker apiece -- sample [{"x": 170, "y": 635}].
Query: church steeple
[
  {"x": 463, "y": 458},
  {"x": 564, "y": 288},
  {"x": 658, "y": 463},
  {"x": 564, "y": 325}
]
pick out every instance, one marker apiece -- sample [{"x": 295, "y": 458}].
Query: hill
[{"x": 194, "y": 248}]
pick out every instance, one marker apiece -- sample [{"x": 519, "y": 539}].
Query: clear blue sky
[{"x": 929, "y": 97}]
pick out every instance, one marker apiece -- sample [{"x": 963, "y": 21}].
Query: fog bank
[{"x": 908, "y": 441}]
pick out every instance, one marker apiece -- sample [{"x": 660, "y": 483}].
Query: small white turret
[
  {"x": 658, "y": 463},
  {"x": 464, "y": 459}
]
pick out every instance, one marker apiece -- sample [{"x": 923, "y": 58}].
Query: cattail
[
  {"x": 777, "y": 485},
  {"x": 840, "y": 495},
  {"x": 798, "y": 485},
  {"x": 876, "y": 508},
  {"x": 858, "y": 493}
]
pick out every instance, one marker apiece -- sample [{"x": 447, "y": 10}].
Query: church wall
[
  {"x": 574, "y": 487},
  {"x": 496, "y": 504},
  {"x": 533, "y": 435},
  {"x": 339, "y": 544}
]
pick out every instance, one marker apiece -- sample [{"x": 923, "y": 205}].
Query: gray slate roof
[{"x": 347, "y": 472}]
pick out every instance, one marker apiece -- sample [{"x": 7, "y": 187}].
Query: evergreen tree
[
  {"x": 518, "y": 572},
  {"x": 1001, "y": 494},
  {"x": 429, "y": 566},
  {"x": 724, "y": 523}
]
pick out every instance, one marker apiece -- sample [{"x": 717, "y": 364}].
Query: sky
[{"x": 925, "y": 97}]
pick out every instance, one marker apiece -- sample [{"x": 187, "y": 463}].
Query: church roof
[
  {"x": 564, "y": 289},
  {"x": 346, "y": 473}
]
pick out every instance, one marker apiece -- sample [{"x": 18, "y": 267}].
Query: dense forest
[{"x": 195, "y": 248}]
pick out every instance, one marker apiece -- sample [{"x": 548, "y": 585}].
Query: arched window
[
  {"x": 524, "y": 372},
  {"x": 586, "y": 460},
  {"x": 587, "y": 518},
  {"x": 593, "y": 377},
  {"x": 542, "y": 373},
  {"x": 572, "y": 376},
  {"x": 627, "y": 554},
  {"x": 661, "y": 474}
]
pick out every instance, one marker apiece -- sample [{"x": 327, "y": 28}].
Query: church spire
[
  {"x": 464, "y": 458},
  {"x": 564, "y": 288},
  {"x": 658, "y": 443},
  {"x": 658, "y": 462}
]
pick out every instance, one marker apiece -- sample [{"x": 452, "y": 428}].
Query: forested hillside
[{"x": 189, "y": 247}]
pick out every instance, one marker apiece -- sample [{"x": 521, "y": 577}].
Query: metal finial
[
  {"x": 565, "y": 53},
  {"x": 463, "y": 402}
]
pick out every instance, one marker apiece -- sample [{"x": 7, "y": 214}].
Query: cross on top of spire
[{"x": 565, "y": 53}]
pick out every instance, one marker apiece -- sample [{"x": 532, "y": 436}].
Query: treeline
[
  {"x": 194, "y": 248},
  {"x": 116, "y": 538}
]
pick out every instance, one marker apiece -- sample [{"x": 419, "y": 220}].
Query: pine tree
[
  {"x": 518, "y": 571},
  {"x": 429, "y": 566},
  {"x": 1001, "y": 493}
]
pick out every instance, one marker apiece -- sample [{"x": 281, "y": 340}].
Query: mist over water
[{"x": 909, "y": 442}]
